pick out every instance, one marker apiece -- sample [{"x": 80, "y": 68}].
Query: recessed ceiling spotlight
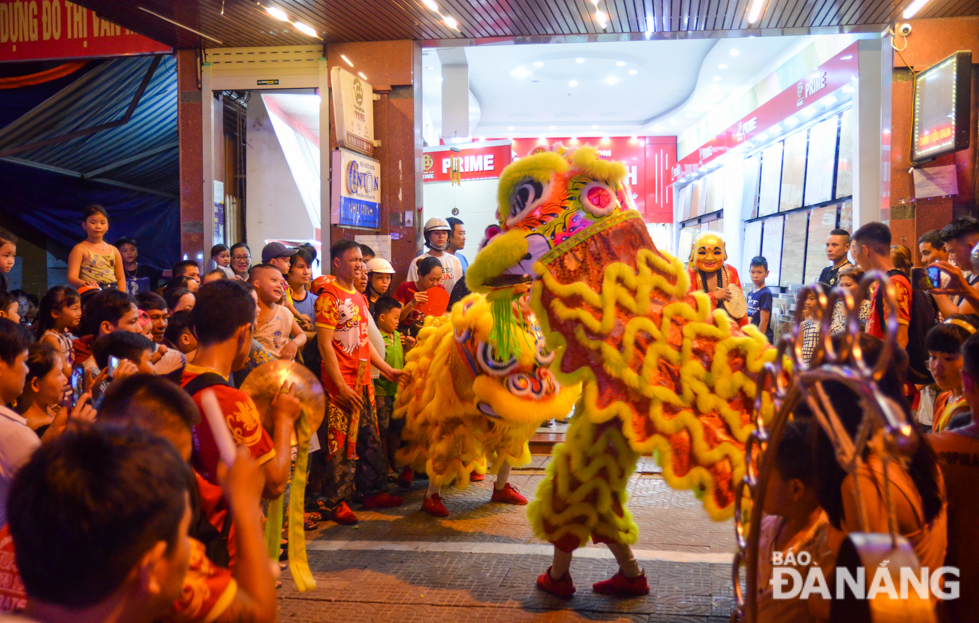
[
  {"x": 735, "y": 52},
  {"x": 717, "y": 78},
  {"x": 519, "y": 72},
  {"x": 776, "y": 130},
  {"x": 278, "y": 14},
  {"x": 579, "y": 60},
  {"x": 553, "y": 127},
  {"x": 306, "y": 30},
  {"x": 510, "y": 127},
  {"x": 612, "y": 80},
  {"x": 429, "y": 68},
  {"x": 538, "y": 64},
  {"x": 848, "y": 89},
  {"x": 572, "y": 83},
  {"x": 451, "y": 22},
  {"x": 633, "y": 72},
  {"x": 346, "y": 60},
  {"x": 594, "y": 127},
  {"x": 431, "y": 4},
  {"x": 722, "y": 66},
  {"x": 791, "y": 121},
  {"x": 620, "y": 64}
]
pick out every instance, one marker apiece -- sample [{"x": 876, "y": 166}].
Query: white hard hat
[
  {"x": 380, "y": 265},
  {"x": 436, "y": 224}
]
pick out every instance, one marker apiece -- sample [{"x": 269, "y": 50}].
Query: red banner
[
  {"x": 835, "y": 73},
  {"x": 32, "y": 30},
  {"x": 474, "y": 161}
]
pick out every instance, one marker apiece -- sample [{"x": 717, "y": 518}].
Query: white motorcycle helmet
[{"x": 437, "y": 224}]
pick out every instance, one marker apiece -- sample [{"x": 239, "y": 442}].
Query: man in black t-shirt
[{"x": 837, "y": 247}]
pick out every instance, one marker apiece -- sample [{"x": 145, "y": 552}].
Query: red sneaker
[
  {"x": 404, "y": 480},
  {"x": 435, "y": 507},
  {"x": 562, "y": 587},
  {"x": 477, "y": 477},
  {"x": 508, "y": 495},
  {"x": 343, "y": 515},
  {"x": 383, "y": 500},
  {"x": 621, "y": 586}
]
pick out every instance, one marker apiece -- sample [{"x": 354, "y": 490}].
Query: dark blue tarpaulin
[{"x": 52, "y": 204}]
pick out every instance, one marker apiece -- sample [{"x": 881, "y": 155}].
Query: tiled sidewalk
[{"x": 480, "y": 563}]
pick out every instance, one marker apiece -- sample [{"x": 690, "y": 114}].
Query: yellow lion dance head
[{"x": 463, "y": 402}]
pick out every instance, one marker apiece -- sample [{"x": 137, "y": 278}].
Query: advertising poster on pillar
[
  {"x": 477, "y": 161},
  {"x": 35, "y": 30},
  {"x": 353, "y": 107},
  {"x": 356, "y": 200}
]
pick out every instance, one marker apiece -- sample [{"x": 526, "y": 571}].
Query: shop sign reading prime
[
  {"x": 32, "y": 30},
  {"x": 356, "y": 200},
  {"x": 469, "y": 163},
  {"x": 353, "y": 107}
]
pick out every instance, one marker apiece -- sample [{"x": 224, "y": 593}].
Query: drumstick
[{"x": 219, "y": 426}]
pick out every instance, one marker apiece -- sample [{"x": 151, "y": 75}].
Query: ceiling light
[
  {"x": 913, "y": 8},
  {"x": 430, "y": 68},
  {"x": 776, "y": 130},
  {"x": 633, "y": 138},
  {"x": 361, "y": 74},
  {"x": 431, "y": 4},
  {"x": 572, "y": 83},
  {"x": 722, "y": 66},
  {"x": 595, "y": 2},
  {"x": 846, "y": 58},
  {"x": 735, "y": 52},
  {"x": 602, "y": 19},
  {"x": 633, "y": 72},
  {"x": 594, "y": 127},
  {"x": 672, "y": 121},
  {"x": 542, "y": 140},
  {"x": 620, "y": 64},
  {"x": 451, "y": 22},
  {"x": 553, "y": 127},
  {"x": 346, "y": 60},
  {"x": 657, "y": 127},
  {"x": 791, "y": 121},
  {"x": 612, "y": 80},
  {"x": 510, "y": 127},
  {"x": 848, "y": 89},
  {"x": 439, "y": 79},
  {"x": 755, "y": 11},
  {"x": 277, "y": 13},
  {"x": 650, "y": 24},
  {"x": 519, "y": 72},
  {"x": 761, "y": 137},
  {"x": 538, "y": 64},
  {"x": 829, "y": 101},
  {"x": 306, "y": 30},
  {"x": 716, "y": 78},
  {"x": 579, "y": 60},
  {"x": 809, "y": 111}
]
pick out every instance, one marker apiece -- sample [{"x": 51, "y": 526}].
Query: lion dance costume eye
[{"x": 662, "y": 372}]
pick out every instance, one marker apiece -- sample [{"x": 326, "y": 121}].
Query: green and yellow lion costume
[
  {"x": 468, "y": 409},
  {"x": 661, "y": 372}
]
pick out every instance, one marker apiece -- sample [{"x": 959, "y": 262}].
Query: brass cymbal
[{"x": 265, "y": 381}]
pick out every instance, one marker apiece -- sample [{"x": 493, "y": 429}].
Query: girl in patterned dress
[
  {"x": 93, "y": 261},
  {"x": 58, "y": 315}
]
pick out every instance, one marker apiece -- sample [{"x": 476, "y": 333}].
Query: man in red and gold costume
[{"x": 709, "y": 273}]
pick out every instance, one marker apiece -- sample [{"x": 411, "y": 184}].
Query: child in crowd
[
  {"x": 241, "y": 260},
  {"x": 956, "y": 451},
  {"x": 134, "y": 351},
  {"x": 107, "y": 311},
  {"x": 379, "y": 276},
  {"x": 19, "y": 441},
  {"x": 179, "y": 299},
  {"x": 163, "y": 408},
  {"x": 9, "y": 307},
  {"x": 221, "y": 260},
  {"x": 387, "y": 312},
  {"x": 944, "y": 342},
  {"x": 276, "y": 328},
  {"x": 165, "y": 360},
  {"x": 179, "y": 334},
  {"x": 139, "y": 277},
  {"x": 367, "y": 253},
  {"x": 215, "y": 275},
  {"x": 93, "y": 261},
  {"x": 41, "y": 403},
  {"x": 299, "y": 274},
  {"x": 414, "y": 293},
  {"x": 810, "y": 327},
  {"x": 58, "y": 316},
  {"x": 793, "y": 524},
  {"x": 23, "y": 306},
  {"x": 760, "y": 300},
  {"x": 849, "y": 278},
  {"x": 8, "y": 257},
  {"x": 188, "y": 268}
]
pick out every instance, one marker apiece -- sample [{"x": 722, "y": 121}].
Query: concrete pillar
[
  {"x": 872, "y": 132},
  {"x": 394, "y": 69},
  {"x": 191, "y": 161}
]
